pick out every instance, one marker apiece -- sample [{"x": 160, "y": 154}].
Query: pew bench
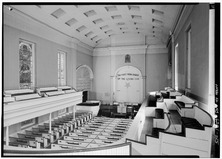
[
  {"x": 23, "y": 142},
  {"x": 161, "y": 120},
  {"x": 152, "y": 99},
  {"x": 199, "y": 125},
  {"x": 184, "y": 105}
]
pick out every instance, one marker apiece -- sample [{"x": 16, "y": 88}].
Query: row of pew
[{"x": 40, "y": 136}]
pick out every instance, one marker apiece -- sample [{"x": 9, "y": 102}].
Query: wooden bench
[
  {"x": 152, "y": 99},
  {"x": 199, "y": 125},
  {"x": 184, "y": 105},
  {"x": 161, "y": 120},
  {"x": 159, "y": 113}
]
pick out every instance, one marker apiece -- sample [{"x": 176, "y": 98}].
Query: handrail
[
  {"x": 211, "y": 124},
  {"x": 24, "y": 151},
  {"x": 167, "y": 114}
]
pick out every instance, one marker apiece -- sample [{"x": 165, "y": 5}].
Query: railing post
[
  {"x": 7, "y": 135},
  {"x": 74, "y": 111},
  {"x": 50, "y": 123}
]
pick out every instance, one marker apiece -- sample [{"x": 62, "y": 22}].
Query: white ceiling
[{"x": 92, "y": 24}]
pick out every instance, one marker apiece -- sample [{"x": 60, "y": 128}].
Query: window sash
[
  {"x": 61, "y": 68},
  {"x": 188, "y": 78},
  {"x": 26, "y": 64}
]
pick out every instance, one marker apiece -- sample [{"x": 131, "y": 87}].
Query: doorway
[{"x": 128, "y": 85}]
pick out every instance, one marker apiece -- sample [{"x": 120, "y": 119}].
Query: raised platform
[{"x": 92, "y": 106}]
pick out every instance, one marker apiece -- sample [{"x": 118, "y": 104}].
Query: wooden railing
[
  {"x": 118, "y": 149},
  {"x": 136, "y": 127}
]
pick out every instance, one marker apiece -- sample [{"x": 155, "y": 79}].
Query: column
[
  {"x": 50, "y": 122},
  {"x": 211, "y": 93},
  {"x": 7, "y": 135},
  {"x": 73, "y": 111}
]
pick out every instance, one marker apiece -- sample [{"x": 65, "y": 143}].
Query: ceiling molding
[
  {"x": 101, "y": 52},
  {"x": 183, "y": 18},
  {"x": 132, "y": 50},
  {"x": 134, "y": 47},
  {"x": 81, "y": 49},
  {"x": 157, "y": 51},
  {"x": 120, "y": 50},
  {"x": 163, "y": 46}
]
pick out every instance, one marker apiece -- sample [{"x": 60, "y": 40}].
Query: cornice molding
[
  {"x": 132, "y": 50},
  {"x": 134, "y": 47},
  {"x": 183, "y": 18},
  {"x": 120, "y": 50}
]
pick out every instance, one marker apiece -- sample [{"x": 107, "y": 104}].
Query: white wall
[{"x": 151, "y": 60}]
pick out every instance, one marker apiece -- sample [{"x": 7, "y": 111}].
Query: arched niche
[{"x": 84, "y": 76}]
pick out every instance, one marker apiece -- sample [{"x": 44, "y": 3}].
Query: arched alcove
[{"x": 84, "y": 76}]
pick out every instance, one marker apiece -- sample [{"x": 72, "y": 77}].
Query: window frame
[
  {"x": 60, "y": 53},
  {"x": 188, "y": 57},
  {"x": 32, "y": 62}
]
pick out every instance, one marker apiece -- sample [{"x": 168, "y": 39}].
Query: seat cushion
[
  {"x": 180, "y": 104},
  {"x": 88, "y": 104},
  {"x": 152, "y": 101},
  {"x": 191, "y": 123},
  {"x": 165, "y": 95},
  {"x": 159, "y": 113}
]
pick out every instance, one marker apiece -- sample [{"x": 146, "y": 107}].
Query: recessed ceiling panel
[
  {"x": 111, "y": 8},
  {"x": 90, "y": 13},
  {"x": 89, "y": 34},
  {"x": 58, "y": 13},
  {"x": 71, "y": 22},
  {"x": 116, "y": 16},
  {"x": 157, "y": 12},
  {"x": 136, "y": 17},
  {"x": 104, "y": 27},
  {"x": 134, "y": 8},
  {"x": 93, "y": 38},
  {"x": 121, "y": 23},
  {"x": 39, "y": 6},
  {"x": 97, "y": 21},
  {"x": 123, "y": 28},
  {"x": 158, "y": 22},
  {"x": 81, "y": 28},
  {"x": 108, "y": 31}
]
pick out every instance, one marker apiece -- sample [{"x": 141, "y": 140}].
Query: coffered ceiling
[{"x": 94, "y": 23}]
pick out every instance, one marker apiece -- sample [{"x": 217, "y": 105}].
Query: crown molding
[
  {"x": 182, "y": 19},
  {"x": 132, "y": 50},
  {"x": 132, "y": 47},
  {"x": 120, "y": 50}
]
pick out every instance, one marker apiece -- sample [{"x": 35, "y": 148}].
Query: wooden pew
[
  {"x": 38, "y": 137},
  {"x": 24, "y": 142}
]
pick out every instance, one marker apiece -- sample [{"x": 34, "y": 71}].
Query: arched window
[{"x": 26, "y": 64}]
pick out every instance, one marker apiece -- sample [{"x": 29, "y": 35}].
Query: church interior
[{"x": 110, "y": 79}]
